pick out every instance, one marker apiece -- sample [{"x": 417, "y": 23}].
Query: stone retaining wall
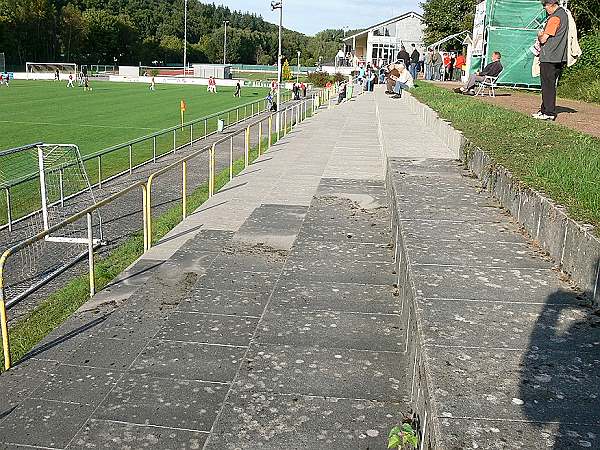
[{"x": 572, "y": 245}]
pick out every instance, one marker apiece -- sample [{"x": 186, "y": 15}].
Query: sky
[{"x": 312, "y": 16}]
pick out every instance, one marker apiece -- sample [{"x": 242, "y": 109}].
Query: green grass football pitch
[{"x": 111, "y": 113}]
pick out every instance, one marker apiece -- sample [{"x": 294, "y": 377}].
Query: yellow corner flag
[{"x": 182, "y": 107}]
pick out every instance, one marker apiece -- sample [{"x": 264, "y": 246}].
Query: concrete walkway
[
  {"x": 281, "y": 315},
  {"x": 267, "y": 319}
]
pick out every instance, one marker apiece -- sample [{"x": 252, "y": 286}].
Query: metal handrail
[
  {"x": 4, "y": 305},
  {"x": 301, "y": 113},
  {"x": 211, "y": 149}
]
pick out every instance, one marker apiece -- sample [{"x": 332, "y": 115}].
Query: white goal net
[{"x": 48, "y": 183}]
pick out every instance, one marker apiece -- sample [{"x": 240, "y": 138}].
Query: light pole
[
  {"x": 184, "y": 37},
  {"x": 298, "y": 74},
  {"x": 225, "y": 22},
  {"x": 278, "y": 5}
]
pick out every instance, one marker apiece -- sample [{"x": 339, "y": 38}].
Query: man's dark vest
[{"x": 555, "y": 48}]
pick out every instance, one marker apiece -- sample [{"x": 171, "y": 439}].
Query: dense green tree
[
  {"x": 143, "y": 31},
  {"x": 445, "y": 17}
]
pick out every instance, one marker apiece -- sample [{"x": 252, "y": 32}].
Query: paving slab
[
  {"x": 276, "y": 421},
  {"x": 111, "y": 434},
  {"x": 142, "y": 400},
  {"x": 323, "y": 371},
  {"x": 175, "y": 359}
]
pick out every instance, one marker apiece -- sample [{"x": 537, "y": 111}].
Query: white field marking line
[
  {"x": 162, "y": 427},
  {"x": 76, "y": 125}
]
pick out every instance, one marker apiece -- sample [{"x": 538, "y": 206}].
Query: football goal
[
  {"x": 53, "y": 177},
  {"x": 37, "y": 70}
]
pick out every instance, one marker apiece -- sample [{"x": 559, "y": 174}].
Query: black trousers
[{"x": 549, "y": 75}]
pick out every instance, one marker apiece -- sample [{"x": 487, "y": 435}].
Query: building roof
[{"x": 387, "y": 22}]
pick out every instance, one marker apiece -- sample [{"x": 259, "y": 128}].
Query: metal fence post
[
  {"x": 61, "y": 187},
  {"x": 145, "y": 216},
  {"x": 259, "y": 137},
  {"x": 154, "y": 148},
  {"x": 231, "y": 159},
  {"x": 3, "y": 318},
  {"x": 99, "y": 171},
  {"x": 174, "y": 139},
  {"x": 205, "y": 128},
  {"x": 247, "y": 147},
  {"x": 270, "y": 131},
  {"x": 130, "y": 159},
  {"x": 184, "y": 189},
  {"x": 191, "y": 133},
  {"x": 211, "y": 165},
  {"x": 285, "y": 121},
  {"x": 245, "y": 112},
  {"x": 237, "y": 114},
  {"x": 8, "y": 210},
  {"x": 252, "y": 114},
  {"x": 90, "y": 232}
]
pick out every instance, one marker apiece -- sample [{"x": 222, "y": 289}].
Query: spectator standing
[
  {"x": 429, "y": 64},
  {"x": 458, "y": 66},
  {"x": 303, "y": 89},
  {"x": 415, "y": 56},
  {"x": 553, "y": 56},
  {"x": 446, "y": 64},
  {"x": 238, "y": 89},
  {"x": 437, "y": 62},
  {"x": 57, "y": 75},
  {"x": 403, "y": 57}
]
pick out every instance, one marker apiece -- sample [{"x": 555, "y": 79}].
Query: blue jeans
[
  {"x": 399, "y": 87},
  {"x": 414, "y": 70},
  {"x": 428, "y": 71}
]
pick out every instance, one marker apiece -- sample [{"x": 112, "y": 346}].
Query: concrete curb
[{"x": 572, "y": 245}]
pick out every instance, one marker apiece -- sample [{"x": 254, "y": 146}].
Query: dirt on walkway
[{"x": 581, "y": 116}]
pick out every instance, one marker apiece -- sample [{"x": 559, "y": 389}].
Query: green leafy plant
[{"x": 404, "y": 436}]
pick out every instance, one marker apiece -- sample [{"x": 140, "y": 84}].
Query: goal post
[{"x": 46, "y": 71}]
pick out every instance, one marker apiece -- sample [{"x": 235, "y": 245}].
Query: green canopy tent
[{"x": 510, "y": 27}]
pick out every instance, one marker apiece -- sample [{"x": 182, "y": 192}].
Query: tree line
[{"x": 146, "y": 31}]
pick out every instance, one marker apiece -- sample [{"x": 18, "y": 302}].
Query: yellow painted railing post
[
  {"x": 145, "y": 215},
  {"x": 270, "y": 131},
  {"x": 211, "y": 171},
  {"x": 184, "y": 189},
  {"x": 231, "y": 159},
  {"x": 149, "y": 209},
  {"x": 3, "y": 319},
  {"x": 247, "y": 147},
  {"x": 90, "y": 233},
  {"x": 259, "y": 137}
]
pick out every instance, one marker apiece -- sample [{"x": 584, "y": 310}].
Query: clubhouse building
[{"x": 381, "y": 43}]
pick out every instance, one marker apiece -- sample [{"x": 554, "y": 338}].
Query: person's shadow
[{"x": 560, "y": 373}]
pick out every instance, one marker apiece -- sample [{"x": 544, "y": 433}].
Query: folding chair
[{"x": 489, "y": 84}]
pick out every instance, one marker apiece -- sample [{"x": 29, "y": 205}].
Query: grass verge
[
  {"x": 60, "y": 305},
  {"x": 562, "y": 163}
]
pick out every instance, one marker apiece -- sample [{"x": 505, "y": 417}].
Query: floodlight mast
[
  {"x": 184, "y": 37},
  {"x": 225, "y": 22},
  {"x": 278, "y": 5}
]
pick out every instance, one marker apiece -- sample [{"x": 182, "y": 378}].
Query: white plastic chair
[{"x": 489, "y": 84}]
